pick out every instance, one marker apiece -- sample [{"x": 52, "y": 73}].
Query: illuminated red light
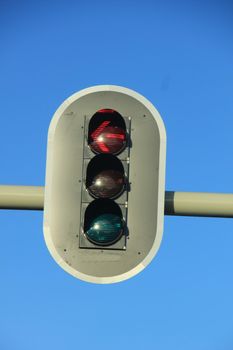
[
  {"x": 108, "y": 139},
  {"x": 99, "y": 130},
  {"x": 102, "y": 147},
  {"x": 108, "y": 135},
  {"x": 115, "y": 136},
  {"x": 106, "y": 110}
]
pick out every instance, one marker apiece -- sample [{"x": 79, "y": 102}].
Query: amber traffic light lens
[
  {"x": 105, "y": 177},
  {"x": 107, "y": 132}
]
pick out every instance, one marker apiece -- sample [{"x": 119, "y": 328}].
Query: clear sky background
[{"x": 178, "y": 54}]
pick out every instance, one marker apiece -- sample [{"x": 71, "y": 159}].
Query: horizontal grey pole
[
  {"x": 176, "y": 203},
  {"x": 199, "y": 204},
  {"x": 22, "y": 197}
]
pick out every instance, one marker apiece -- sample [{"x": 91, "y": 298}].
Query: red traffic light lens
[
  {"x": 108, "y": 139},
  {"x": 107, "y": 132},
  {"x": 105, "y": 177}
]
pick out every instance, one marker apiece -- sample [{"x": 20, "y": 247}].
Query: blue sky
[{"x": 178, "y": 54}]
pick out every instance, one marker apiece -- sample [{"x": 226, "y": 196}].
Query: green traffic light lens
[
  {"x": 103, "y": 222},
  {"x": 105, "y": 229}
]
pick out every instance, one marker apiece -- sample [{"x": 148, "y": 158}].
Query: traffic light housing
[{"x": 105, "y": 184}]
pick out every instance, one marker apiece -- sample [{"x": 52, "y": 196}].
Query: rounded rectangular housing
[{"x": 66, "y": 197}]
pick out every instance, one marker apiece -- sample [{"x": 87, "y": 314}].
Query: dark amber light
[{"x": 105, "y": 177}]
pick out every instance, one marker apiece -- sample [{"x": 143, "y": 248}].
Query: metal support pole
[
  {"x": 176, "y": 203},
  {"x": 199, "y": 204},
  {"x": 22, "y": 197}
]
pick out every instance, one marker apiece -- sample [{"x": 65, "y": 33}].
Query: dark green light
[{"x": 105, "y": 229}]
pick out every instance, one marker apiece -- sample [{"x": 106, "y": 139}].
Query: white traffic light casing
[{"x": 105, "y": 184}]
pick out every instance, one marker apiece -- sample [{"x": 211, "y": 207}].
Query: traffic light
[{"x": 104, "y": 192}]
